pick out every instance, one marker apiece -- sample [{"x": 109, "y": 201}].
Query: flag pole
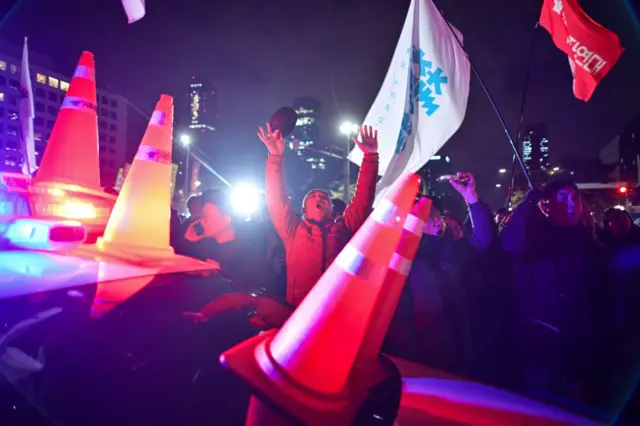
[
  {"x": 522, "y": 105},
  {"x": 516, "y": 154}
]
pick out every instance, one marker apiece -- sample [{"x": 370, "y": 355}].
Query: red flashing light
[{"x": 623, "y": 190}]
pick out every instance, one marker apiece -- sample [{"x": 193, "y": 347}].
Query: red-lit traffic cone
[
  {"x": 399, "y": 268},
  {"x": 305, "y": 367},
  {"x": 139, "y": 223},
  {"x": 72, "y": 153}
]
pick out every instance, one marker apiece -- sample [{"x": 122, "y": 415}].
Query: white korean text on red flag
[
  {"x": 134, "y": 9},
  {"x": 423, "y": 99},
  {"x": 592, "y": 49},
  {"x": 26, "y": 114}
]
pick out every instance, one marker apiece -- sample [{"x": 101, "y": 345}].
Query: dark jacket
[
  {"x": 561, "y": 304},
  {"x": 437, "y": 290},
  {"x": 311, "y": 247}
]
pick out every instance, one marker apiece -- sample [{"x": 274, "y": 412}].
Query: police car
[
  {"x": 95, "y": 338},
  {"x": 56, "y": 200}
]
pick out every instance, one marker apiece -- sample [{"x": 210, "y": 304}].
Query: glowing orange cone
[
  {"x": 399, "y": 268},
  {"x": 72, "y": 154},
  {"x": 139, "y": 223}
]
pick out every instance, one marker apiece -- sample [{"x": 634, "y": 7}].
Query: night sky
[{"x": 262, "y": 54}]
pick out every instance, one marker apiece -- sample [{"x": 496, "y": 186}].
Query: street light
[
  {"x": 350, "y": 130},
  {"x": 502, "y": 171},
  {"x": 185, "y": 140}
]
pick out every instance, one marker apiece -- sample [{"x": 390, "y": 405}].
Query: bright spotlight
[
  {"x": 245, "y": 199},
  {"x": 185, "y": 140},
  {"x": 348, "y": 128}
]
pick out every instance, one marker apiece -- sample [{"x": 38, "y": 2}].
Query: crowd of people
[{"x": 541, "y": 300}]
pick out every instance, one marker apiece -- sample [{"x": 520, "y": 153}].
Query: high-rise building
[
  {"x": 203, "y": 119},
  {"x": 623, "y": 153},
  {"x": 49, "y": 89},
  {"x": 304, "y": 140},
  {"x": 535, "y": 148},
  {"x": 203, "y": 105}
]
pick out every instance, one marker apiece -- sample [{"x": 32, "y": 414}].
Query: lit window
[
  {"x": 3, "y": 66},
  {"x": 41, "y": 78},
  {"x": 1, "y": 97},
  {"x": 53, "y": 82},
  {"x": 64, "y": 85},
  {"x": 13, "y": 69}
]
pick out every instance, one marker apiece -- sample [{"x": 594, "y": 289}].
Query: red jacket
[{"x": 311, "y": 247}]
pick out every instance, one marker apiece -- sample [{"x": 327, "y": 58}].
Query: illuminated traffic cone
[
  {"x": 311, "y": 357},
  {"x": 139, "y": 223},
  {"x": 111, "y": 293},
  {"x": 399, "y": 268},
  {"x": 72, "y": 153}
]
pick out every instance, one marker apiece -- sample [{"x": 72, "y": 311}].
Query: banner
[
  {"x": 26, "y": 114},
  {"x": 423, "y": 99},
  {"x": 592, "y": 49},
  {"x": 134, "y": 9}
]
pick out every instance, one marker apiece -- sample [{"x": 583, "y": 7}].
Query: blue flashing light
[{"x": 38, "y": 234}]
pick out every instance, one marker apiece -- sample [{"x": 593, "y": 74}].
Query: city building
[
  {"x": 49, "y": 89},
  {"x": 304, "y": 140},
  {"x": 623, "y": 153},
  {"x": 203, "y": 106},
  {"x": 203, "y": 118},
  {"x": 535, "y": 148}
]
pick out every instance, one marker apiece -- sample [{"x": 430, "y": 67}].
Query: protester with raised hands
[{"x": 314, "y": 240}]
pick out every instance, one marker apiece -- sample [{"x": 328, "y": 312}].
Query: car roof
[{"x": 24, "y": 272}]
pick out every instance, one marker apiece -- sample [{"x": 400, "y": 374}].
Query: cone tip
[
  {"x": 86, "y": 59},
  {"x": 414, "y": 178},
  {"x": 422, "y": 208},
  {"x": 166, "y": 98}
]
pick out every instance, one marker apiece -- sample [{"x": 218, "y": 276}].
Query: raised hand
[
  {"x": 369, "y": 137},
  {"x": 272, "y": 140},
  {"x": 465, "y": 184}
]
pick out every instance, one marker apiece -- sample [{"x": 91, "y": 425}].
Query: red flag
[{"x": 592, "y": 49}]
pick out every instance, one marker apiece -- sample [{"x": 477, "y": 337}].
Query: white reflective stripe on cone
[
  {"x": 414, "y": 224},
  {"x": 385, "y": 213},
  {"x": 83, "y": 71},
  {"x": 400, "y": 264},
  {"x": 353, "y": 262}
]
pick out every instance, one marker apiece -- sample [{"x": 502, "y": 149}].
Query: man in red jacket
[{"x": 314, "y": 240}]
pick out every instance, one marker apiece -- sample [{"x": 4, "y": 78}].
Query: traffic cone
[
  {"x": 109, "y": 294},
  {"x": 72, "y": 153},
  {"x": 310, "y": 359},
  {"x": 399, "y": 268},
  {"x": 139, "y": 222}
]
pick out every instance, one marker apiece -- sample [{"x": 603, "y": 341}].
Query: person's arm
[
  {"x": 284, "y": 218},
  {"x": 484, "y": 229},
  {"x": 360, "y": 206}
]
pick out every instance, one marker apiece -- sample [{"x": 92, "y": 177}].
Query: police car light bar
[{"x": 42, "y": 234}]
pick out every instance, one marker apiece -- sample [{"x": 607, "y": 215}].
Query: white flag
[
  {"x": 134, "y": 9},
  {"x": 26, "y": 114},
  {"x": 423, "y": 98}
]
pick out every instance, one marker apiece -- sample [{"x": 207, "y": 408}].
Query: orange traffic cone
[
  {"x": 111, "y": 293},
  {"x": 399, "y": 268},
  {"x": 312, "y": 356},
  {"x": 72, "y": 154},
  {"x": 139, "y": 223}
]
